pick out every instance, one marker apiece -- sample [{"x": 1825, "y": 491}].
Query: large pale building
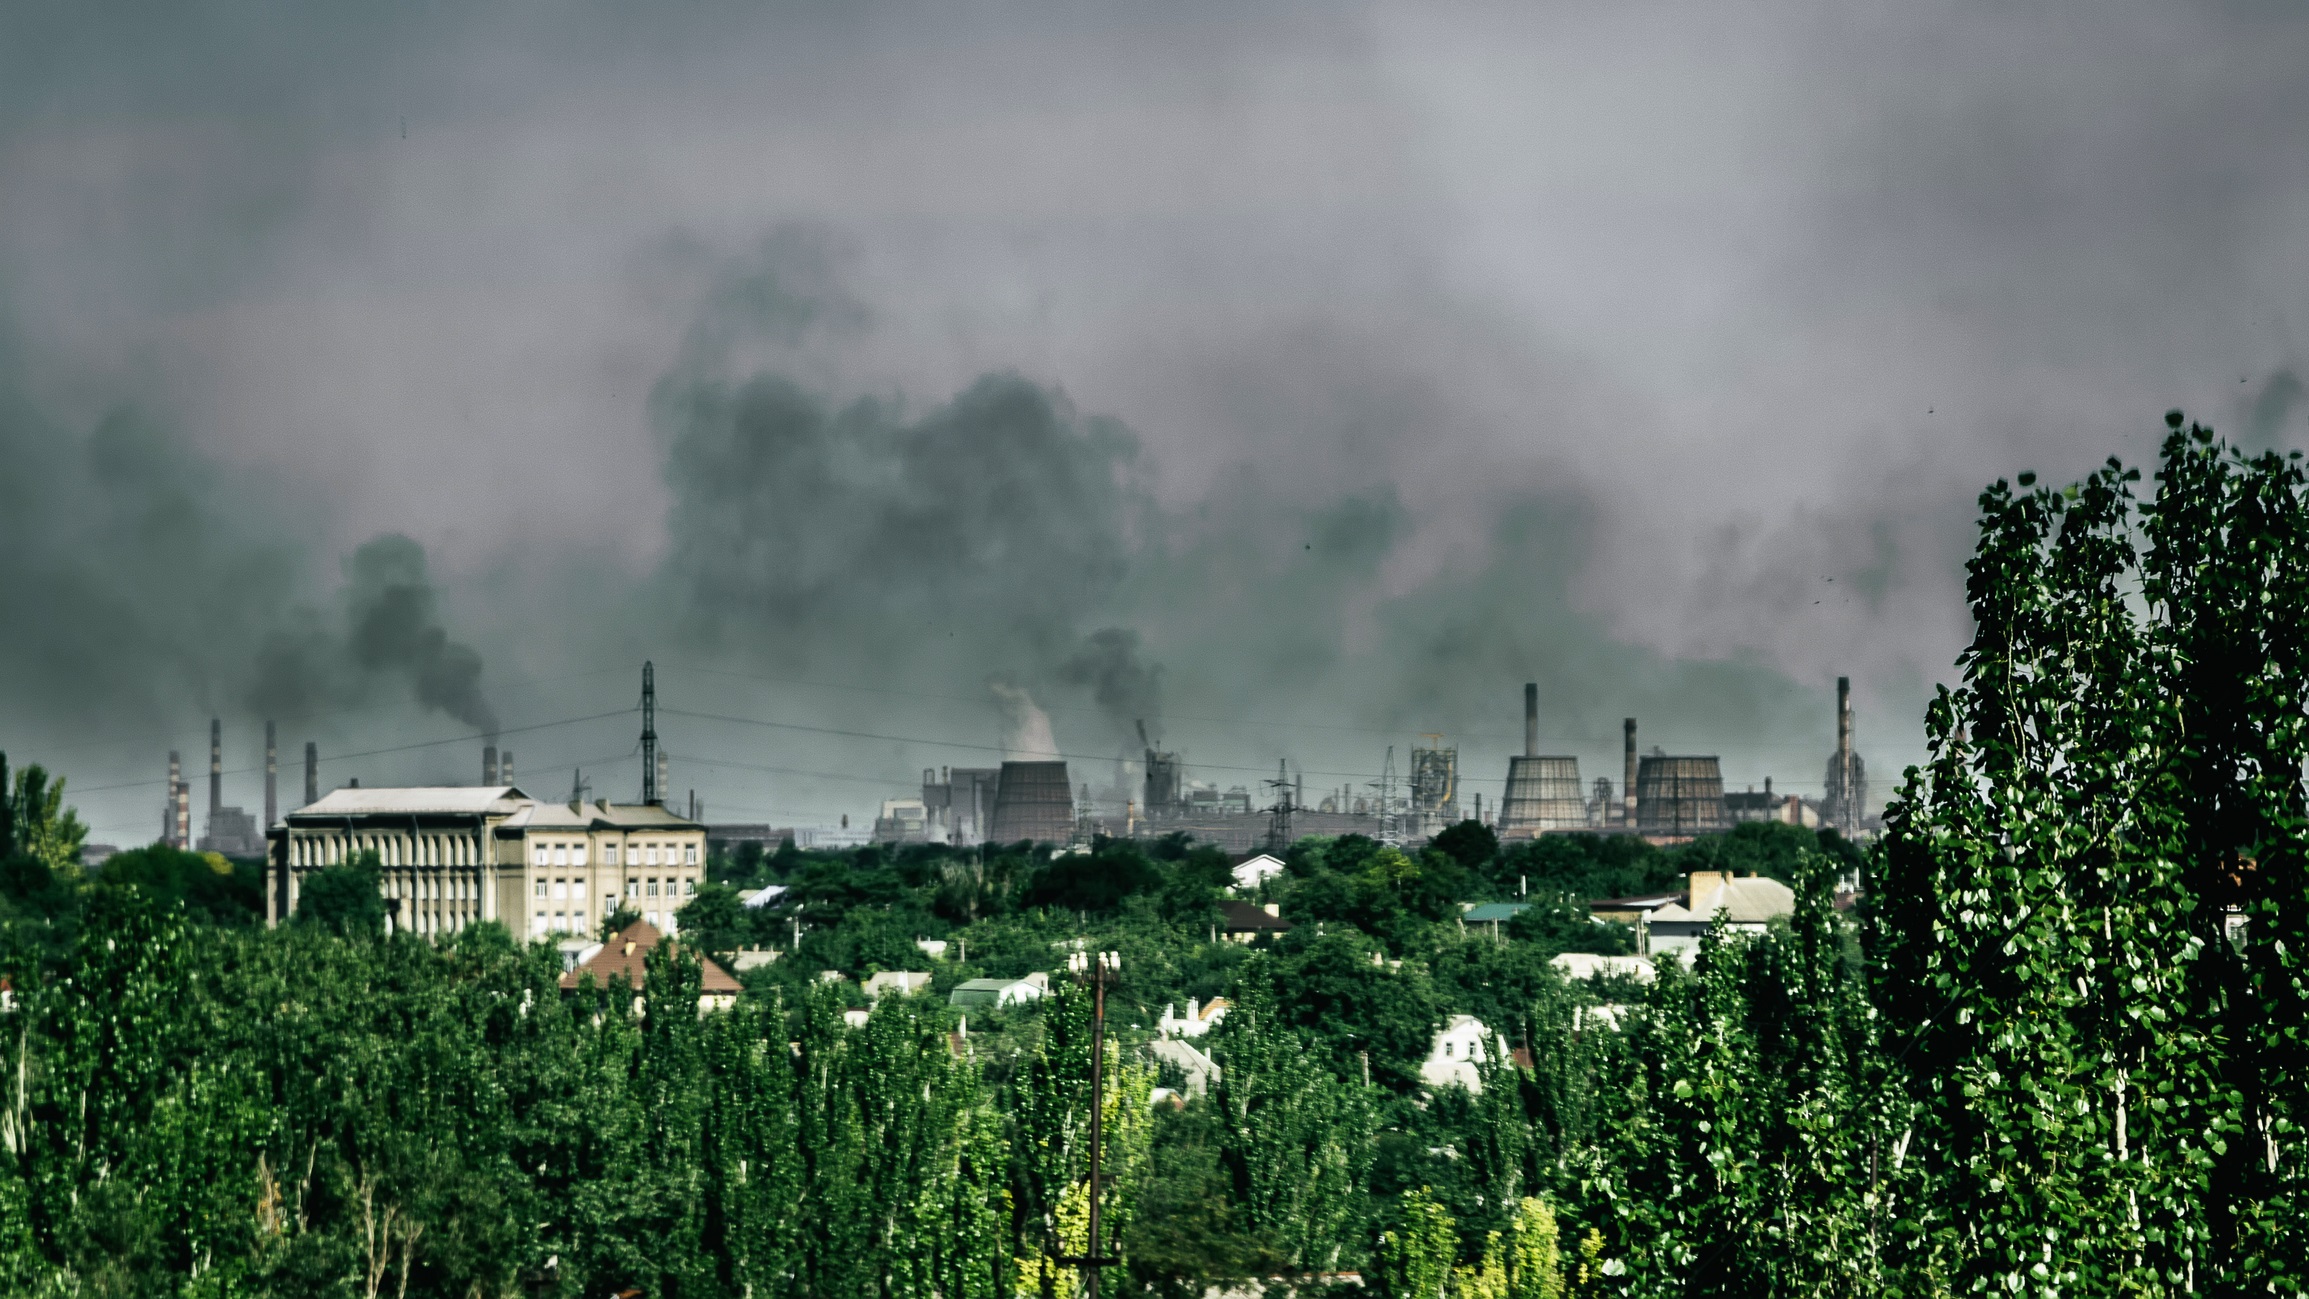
[{"x": 454, "y": 856}]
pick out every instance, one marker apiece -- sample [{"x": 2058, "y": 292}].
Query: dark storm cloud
[{"x": 1360, "y": 361}]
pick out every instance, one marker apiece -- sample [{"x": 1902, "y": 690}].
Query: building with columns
[{"x": 455, "y": 856}]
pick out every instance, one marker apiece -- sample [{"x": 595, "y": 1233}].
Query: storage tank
[
  {"x": 1032, "y": 800},
  {"x": 1677, "y": 797}
]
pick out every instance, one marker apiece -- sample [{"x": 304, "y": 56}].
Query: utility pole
[
  {"x": 1098, "y": 970},
  {"x": 649, "y": 790}
]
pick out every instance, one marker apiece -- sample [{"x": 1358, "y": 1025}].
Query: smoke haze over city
[{"x": 1297, "y": 379}]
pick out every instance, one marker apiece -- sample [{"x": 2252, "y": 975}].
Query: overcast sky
[{"x": 1356, "y": 363}]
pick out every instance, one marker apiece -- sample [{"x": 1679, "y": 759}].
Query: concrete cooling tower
[
  {"x": 1543, "y": 793},
  {"x": 1677, "y": 797},
  {"x": 1032, "y": 801}
]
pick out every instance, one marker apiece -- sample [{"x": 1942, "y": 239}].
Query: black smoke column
[{"x": 312, "y": 773}]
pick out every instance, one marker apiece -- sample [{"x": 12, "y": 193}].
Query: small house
[
  {"x": 626, "y": 955},
  {"x": 1000, "y": 992},
  {"x": 1253, "y": 869},
  {"x": 1200, "y": 1018},
  {"x": 1459, "y": 1053},
  {"x": 1586, "y": 965},
  {"x": 1747, "y": 903},
  {"x": 1243, "y": 922},
  {"x": 903, "y": 982},
  {"x": 1193, "y": 1065}
]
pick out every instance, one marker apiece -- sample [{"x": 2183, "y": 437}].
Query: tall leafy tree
[{"x": 2091, "y": 926}]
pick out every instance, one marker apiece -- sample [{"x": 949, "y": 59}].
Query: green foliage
[
  {"x": 1534, "y": 1255},
  {"x": 344, "y": 898},
  {"x": 206, "y": 885},
  {"x": 2092, "y": 925},
  {"x": 1294, "y": 1138},
  {"x": 40, "y": 826},
  {"x": 1413, "y": 1259}
]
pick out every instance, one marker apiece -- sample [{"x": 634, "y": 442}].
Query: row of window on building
[
  {"x": 648, "y": 888},
  {"x": 641, "y": 854},
  {"x": 578, "y": 922}
]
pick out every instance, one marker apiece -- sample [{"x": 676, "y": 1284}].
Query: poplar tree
[{"x": 2092, "y": 916}]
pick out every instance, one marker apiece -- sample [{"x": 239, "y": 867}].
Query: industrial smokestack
[
  {"x": 1531, "y": 719},
  {"x": 168, "y": 800},
  {"x": 1843, "y": 716},
  {"x": 272, "y": 779},
  {"x": 312, "y": 773},
  {"x": 1628, "y": 773},
  {"x": 505, "y": 766},
  {"x": 184, "y": 815},
  {"x": 652, "y": 762},
  {"x": 215, "y": 768},
  {"x": 488, "y": 764},
  {"x": 664, "y": 778}
]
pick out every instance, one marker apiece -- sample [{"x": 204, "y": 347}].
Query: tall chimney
[
  {"x": 312, "y": 773},
  {"x": 488, "y": 764},
  {"x": 272, "y": 779},
  {"x": 168, "y": 800},
  {"x": 504, "y": 767},
  {"x": 652, "y": 762},
  {"x": 1531, "y": 719},
  {"x": 664, "y": 777},
  {"x": 184, "y": 815},
  {"x": 215, "y": 768},
  {"x": 1843, "y": 717},
  {"x": 1628, "y": 773}
]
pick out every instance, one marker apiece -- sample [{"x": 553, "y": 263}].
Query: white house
[
  {"x": 1748, "y": 904},
  {"x": 1459, "y": 1051},
  {"x": 1198, "y": 1020},
  {"x": 1257, "y": 869},
  {"x": 903, "y": 982},
  {"x": 1000, "y": 992},
  {"x": 1197, "y": 1067},
  {"x": 1583, "y": 965}
]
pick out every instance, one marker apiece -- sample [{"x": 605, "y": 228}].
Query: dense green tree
[
  {"x": 40, "y": 825},
  {"x": 2092, "y": 923},
  {"x": 1294, "y": 1138},
  {"x": 343, "y": 899}
]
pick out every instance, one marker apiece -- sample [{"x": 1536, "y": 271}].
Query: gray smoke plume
[
  {"x": 1127, "y": 688},
  {"x": 390, "y": 634},
  {"x": 144, "y": 584}
]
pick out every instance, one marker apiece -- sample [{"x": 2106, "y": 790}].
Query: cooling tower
[
  {"x": 1679, "y": 797},
  {"x": 1542, "y": 794},
  {"x": 1032, "y": 801}
]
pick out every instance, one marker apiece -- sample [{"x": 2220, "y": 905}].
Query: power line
[{"x": 397, "y": 748}]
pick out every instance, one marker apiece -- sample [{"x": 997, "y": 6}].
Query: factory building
[
  {"x": 1543, "y": 793},
  {"x": 958, "y": 804},
  {"x": 454, "y": 856},
  {"x": 1434, "y": 787}
]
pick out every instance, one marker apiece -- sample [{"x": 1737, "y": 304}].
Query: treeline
[{"x": 2055, "y": 1051}]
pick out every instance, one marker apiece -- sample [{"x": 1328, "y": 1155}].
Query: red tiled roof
[{"x": 623, "y": 957}]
